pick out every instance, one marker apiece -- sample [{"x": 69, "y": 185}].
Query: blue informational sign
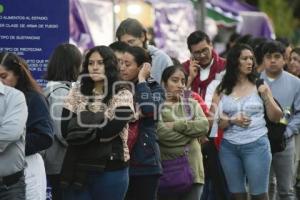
[{"x": 32, "y": 29}]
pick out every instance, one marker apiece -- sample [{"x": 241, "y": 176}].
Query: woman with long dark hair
[
  {"x": 145, "y": 166},
  {"x": 245, "y": 149},
  {"x": 95, "y": 117}
]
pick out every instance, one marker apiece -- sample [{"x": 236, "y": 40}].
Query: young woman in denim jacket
[
  {"x": 245, "y": 149},
  {"x": 145, "y": 166},
  {"x": 179, "y": 129}
]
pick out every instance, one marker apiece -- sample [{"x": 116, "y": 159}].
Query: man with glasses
[
  {"x": 202, "y": 69},
  {"x": 204, "y": 63}
]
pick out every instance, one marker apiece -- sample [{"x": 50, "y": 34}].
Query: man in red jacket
[
  {"x": 202, "y": 68},
  {"x": 204, "y": 64}
]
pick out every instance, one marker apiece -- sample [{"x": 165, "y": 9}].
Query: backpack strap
[
  {"x": 62, "y": 86},
  {"x": 47, "y": 95},
  {"x": 258, "y": 83}
]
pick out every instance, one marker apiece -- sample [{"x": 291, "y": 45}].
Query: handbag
[
  {"x": 275, "y": 129},
  {"x": 81, "y": 129},
  {"x": 276, "y": 135},
  {"x": 177, "y": 174}
]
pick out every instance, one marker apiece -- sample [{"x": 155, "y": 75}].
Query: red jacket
[
  {"x": 201, "y": 102},
  {"x": 217, "y": 66}
]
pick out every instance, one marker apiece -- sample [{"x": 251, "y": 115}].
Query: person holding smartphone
[
  {"x": 204, "y": 63},
  {"x": 145, "y": 166},
  {"x": 202, "y": 68}
]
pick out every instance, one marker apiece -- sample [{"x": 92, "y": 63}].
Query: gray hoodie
[
  {"x": 160, "y": 61},
  {"x": 55, "y": 93}
]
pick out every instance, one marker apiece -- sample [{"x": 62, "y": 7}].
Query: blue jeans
[
  {"x": 110, "y": 185},
  {"x": 15, "y": 191},
  {"x": 250, "y": 161}
]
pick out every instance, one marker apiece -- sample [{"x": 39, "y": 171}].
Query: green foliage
[
  {"x": 1, "y": 8},
  {"x": 296, "y": 38},
  {"x": 281, "y": 14}
]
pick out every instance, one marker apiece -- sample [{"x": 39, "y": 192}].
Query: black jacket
[{"x": 86, "y": 153}]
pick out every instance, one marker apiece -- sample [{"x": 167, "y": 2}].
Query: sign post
[{"x": 32, "y": 29}]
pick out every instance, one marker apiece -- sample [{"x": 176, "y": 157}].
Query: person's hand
[
  {"x": 241, "y": 120},
  {"x": 203, "y": 140},
  {"x": 144, "y": 72},
  {"x": 193, "y": 71},
  {"x": 193, "y": 68},
  {"x": 264, "y": 91},
  {"x": 169, "y": 124},
  {"x": 140, "y": 114}
]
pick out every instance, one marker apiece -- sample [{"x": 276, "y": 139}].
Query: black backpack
[{"x": 275, "y": 130}]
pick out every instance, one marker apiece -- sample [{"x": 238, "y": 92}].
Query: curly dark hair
[
  {"x": 232, "y": 69},
  {"x": 111, "y": 71}
]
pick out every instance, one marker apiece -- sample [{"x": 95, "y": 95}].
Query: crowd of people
[{"x": 111, "y": 120}]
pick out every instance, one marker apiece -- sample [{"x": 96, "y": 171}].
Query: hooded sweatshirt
[{"x": 160, "y": 61}]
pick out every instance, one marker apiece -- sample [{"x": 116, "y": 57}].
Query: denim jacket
[{"x": 145, "y": 156}]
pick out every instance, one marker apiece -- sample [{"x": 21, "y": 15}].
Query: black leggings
[
  {"x": 143, "y": 187},
  {"x": 56, "y": 191}
]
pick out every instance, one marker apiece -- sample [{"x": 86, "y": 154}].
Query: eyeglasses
[{"x": 199, "y": 53}]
